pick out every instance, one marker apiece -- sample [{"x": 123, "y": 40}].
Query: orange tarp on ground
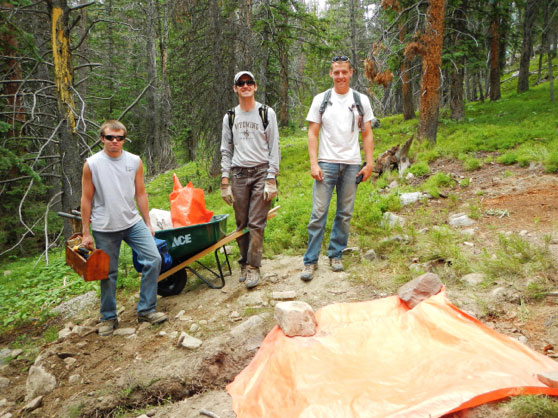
[{"x": 380, "y": 359}]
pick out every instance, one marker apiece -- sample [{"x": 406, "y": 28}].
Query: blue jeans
[
  {"x": 342, "y": 177},
  {"x": 139, "y": 238}
]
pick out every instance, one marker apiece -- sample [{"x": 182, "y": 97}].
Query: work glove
[
  {"x": 226, "y": 194},
  {"x": 270, "y": 189}
]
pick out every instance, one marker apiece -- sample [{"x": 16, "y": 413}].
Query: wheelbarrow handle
[{"x": 67, "y": 215}]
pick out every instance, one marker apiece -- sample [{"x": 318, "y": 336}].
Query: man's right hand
[
  {"x": 226, "y": 193},
  {"x": 316, "y": 172},
  {"x": 87, "y": 241}
]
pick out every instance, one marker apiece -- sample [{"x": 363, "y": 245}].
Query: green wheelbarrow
[{"x": 188, "y": 244}]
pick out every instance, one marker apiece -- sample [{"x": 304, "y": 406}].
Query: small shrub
[
  {"x": 508, "y": 158},
  {"x": 466, "y": 182},
  {"x": 524, "y": 160},
  {"x": 472, "y": 164},
  {"x": 419, "y": 169}
]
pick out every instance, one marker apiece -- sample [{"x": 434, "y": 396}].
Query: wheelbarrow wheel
[{"x": 173, "y": 284}]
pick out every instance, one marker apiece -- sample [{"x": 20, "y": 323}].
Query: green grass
[{"x": 534, "y": 406}]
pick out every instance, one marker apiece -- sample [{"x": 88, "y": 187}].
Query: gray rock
[
  {"x": 17, "y": 352},
  {"x": 350, "y": 250},
  {"x": 5, "y": 354},
  {"x": 393, "y": 184},
  {"x": 235, "y": 316},
  {"x": 285, "y": 295},
  {"x": 74, "y": 379},
  {"x": 392, "y": 219},
  {"x": 124, "y": 331},
  {"x": 4, "y": 382},
  {"x": 409, "y": 198},
  {"x": 409, "y": 176},
  {"x": 550, "y": 379},
  {"x": 459, "y": 220},
  {"x": 75, "y": 305},
  {"x": 419, "y": 289},
  {"x": 34, "y": 404},
  {"x": 39, "y": 382},
  {"x": 187, "y": 341},
  {"x": 370, "y": 255},
  {"x": 247, "y": 326},
  {"x": 194, "y": 328},
  {"x": 70, "y": 361},
  {"x": 470, "y": 232},
  {"x": 473, "y": 279},
  {"x": 295, "y": 318},
  {"x": 63, "y": 333},
  {"x": 252, "y": 299}
]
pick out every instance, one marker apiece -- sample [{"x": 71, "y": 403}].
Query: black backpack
[
  {"x": 263, "y": 115},
  {"x": 356, "y": 98}
]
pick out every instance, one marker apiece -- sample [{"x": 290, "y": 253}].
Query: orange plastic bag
[
  {"x": 187, "y": 205},
  {"x": 380, "y": 359}
]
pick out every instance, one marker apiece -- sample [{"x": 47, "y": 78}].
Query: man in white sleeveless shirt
[
  {"x": 250, "y": 158},
  {"x": 336, "y": 164},
  {"x": 112, "y": 184}
]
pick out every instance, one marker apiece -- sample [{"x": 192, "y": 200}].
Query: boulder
[
  {"x": 296, "y": 318},
  {"x": 419, "y": 289},
  {"x": 39, "y": 382}
]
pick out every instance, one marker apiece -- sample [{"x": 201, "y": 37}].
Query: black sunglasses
[
  {"x": 119, "y": 138},
  {"x": 247, "y": 82},
  {"x": 342, "y": 58}
]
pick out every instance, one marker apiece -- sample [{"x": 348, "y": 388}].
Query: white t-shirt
[{"x": 339, "y": 129}]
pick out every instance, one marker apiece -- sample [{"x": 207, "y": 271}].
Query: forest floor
[{"x": 146, "y": 372}]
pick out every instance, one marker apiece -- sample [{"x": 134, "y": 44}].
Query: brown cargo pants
[{"x": 250, "y": 210}]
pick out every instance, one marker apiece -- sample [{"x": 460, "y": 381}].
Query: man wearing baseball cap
[{"x": 249, "y": 164}]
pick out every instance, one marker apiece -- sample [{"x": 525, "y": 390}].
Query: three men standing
[
  {"x": 335, "y": 118},
  {"x": 111, "y": 180},
  {"x": 249, "y": 165}
]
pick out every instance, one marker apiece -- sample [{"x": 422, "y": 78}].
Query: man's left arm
[
  {"x": 141, "y": 197},
  {"x": 368, "y": 145}
]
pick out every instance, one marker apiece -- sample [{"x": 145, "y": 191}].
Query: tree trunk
[
  {"x": 406, "y": 84},
  {"x": 527, "y": 45},
  {"x": 547, "y": 46},
  {"x": 284, "y": 68},
  {"x": 494, "y": 76},
  {"x": 245, "y": 38},
  {"x": 457, "y": 71},
  {"x": 152, "y": 115},
  {"x": 164, "y": 158},
  {"x": 70, "y": 162},
  {"x": 431, "y": 64},
  {"x": 12, "y": 68},
  {"x": 354, "y": 42},
  {"x": 217, "y": 92}
]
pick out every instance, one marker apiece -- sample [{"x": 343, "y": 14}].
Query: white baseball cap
[{"x": 241, "y": 73}]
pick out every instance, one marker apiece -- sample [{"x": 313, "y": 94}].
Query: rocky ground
[{"x": 145, "y": 371}]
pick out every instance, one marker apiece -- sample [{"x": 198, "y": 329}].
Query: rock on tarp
[{"x": 379, "y": 359}]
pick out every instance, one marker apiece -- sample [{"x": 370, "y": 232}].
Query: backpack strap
[
  {"x": 325, "y": 101},
  {"x": 263, "y": 115},
  {"x": 356, "y": 98},
  {"x": 231, "y": 114}
]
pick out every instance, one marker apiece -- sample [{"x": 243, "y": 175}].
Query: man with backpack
[
  {"x": 335, "y": 118},
  {"x": 249, "y": 165}
]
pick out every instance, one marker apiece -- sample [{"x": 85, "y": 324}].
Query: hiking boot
[
  {"x": 107, "y": 327},
  {"x": 308, "y": 272},
  {"x": 336, "y": 265},
  {"x": 242, "y": 273},
  {"x": 152, "y": 318},
  {"x": 252, "y": 277}
]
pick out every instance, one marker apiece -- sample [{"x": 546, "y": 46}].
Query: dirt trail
[{"x": 138, "y": 372}]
